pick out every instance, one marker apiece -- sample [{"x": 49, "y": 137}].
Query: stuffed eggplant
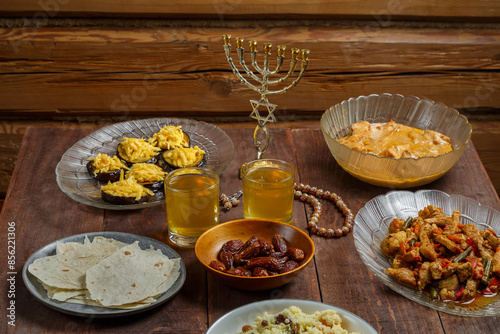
[
  {"x": 104, "y": 168},
  {"x": 170, "y": 137},
  {"x": 137, "y": 150},
  {"x": 148, "y": 175},
  {"x": 125, "y": 191},
  {"x": 184, "y": 157}
]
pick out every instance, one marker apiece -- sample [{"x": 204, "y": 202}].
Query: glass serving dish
[
  {"x": 74, "y": 180},
  {"x": 371, "y": 227},
  {"x": 410, "y": 110}
]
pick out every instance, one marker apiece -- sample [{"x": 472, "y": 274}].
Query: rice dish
[{"x": 293, "y": 320}]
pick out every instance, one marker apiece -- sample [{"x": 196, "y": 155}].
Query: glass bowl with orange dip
[{"x": 395, "y": 141}]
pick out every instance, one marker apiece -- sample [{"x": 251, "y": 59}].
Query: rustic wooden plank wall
[
  {"x": 383, "y": 10},
  {"x": 90, "y": 63}
]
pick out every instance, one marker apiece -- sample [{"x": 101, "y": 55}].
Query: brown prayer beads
[{"x": 306, "y": 193}]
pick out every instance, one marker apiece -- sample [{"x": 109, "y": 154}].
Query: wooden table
[{"x": 42, "y": 213}]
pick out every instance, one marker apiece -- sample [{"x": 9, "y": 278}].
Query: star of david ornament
[{"x": 270, "y": 111}]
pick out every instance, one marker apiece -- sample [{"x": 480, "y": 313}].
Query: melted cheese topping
[
  {"x": 395, "y": 140},
  {"x": 126, "y": 188},
  {"x": 103, "y": 163},
  {"x": 137, "y": 150},
  {"x": 184, "y": 156},
  {"x": 146, "y": 173},
  {"x": 169, "y": 137}
]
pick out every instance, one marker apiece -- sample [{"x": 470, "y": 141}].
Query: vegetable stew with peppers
[{"x": 444, "y": 258}]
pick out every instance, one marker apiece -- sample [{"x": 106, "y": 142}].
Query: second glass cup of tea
[
  {"x": 192, "y": 203},
  {"x": 268, "y": 189}
]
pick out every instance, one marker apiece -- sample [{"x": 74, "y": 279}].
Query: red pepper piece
[
  {"x": 454, "y": 238},
  {"x": 473, "y": 246},
  {"x": 459, "y": 294},
  {"x": 493, "y": 286},
  {"x": 402, "y": 247}
]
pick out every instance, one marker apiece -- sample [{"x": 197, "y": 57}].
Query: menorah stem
[
  {"x": 253, "y": 56},
  {"x": 245, "y": 67},
  {"x": 295, "y": 82},
  {"x": 258, "y": 145},
  {"x": 279, "y": 63},
  {"x": 285, "y": 89},
  {"x": 266, "y": 63},
  {"x": 293, "y": 64},
  {"x": 227, "y": 49}
]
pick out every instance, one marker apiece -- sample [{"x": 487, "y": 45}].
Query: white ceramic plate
[
  {"x": 38, "y": 291},
  {"x": 75, "y": 181},
  {"x": 371, "y": 227},
  {"x": 232, "y": 322}
]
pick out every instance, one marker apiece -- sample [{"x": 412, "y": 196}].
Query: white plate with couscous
[{"x": 281, "y": 315}]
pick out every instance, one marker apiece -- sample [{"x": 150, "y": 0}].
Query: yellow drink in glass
[
  {"x": 192, "y": 204},
  {"x": 268, "y": 190}
]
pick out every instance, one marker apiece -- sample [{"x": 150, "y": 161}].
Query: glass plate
[
  {"x": 372, "y": 223},
  {"x": 38, "y": 291},
  {"x": 233, "y": 321},
  {"x": 74, "y": 180}
]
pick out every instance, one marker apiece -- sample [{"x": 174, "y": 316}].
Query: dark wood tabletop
[{"x": 41, "y": 213}]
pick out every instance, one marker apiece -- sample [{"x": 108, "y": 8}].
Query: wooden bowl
[{"x": 209, "y": 244}]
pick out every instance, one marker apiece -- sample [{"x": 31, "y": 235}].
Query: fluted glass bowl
[
  {"x": 371, "y": 227},
  {"x": 410, "y": 110},
  {"x": 75, "y": 181}
]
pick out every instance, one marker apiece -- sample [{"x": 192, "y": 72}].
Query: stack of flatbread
[{"x": 106, "y": 273}]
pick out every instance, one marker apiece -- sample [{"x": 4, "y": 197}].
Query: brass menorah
[{"x": 265, "y": 81}]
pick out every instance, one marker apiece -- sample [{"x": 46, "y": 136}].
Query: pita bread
[{"x": 106, "y": 272}]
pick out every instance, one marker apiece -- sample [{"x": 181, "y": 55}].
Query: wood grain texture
[
  {"x": 40, "y": 212},
  {"x": 43, "y": 213},
  {"x": 257, "y": 8},
  {"x": 183, "y": 71},
  {"x": 486, "y": 138}
]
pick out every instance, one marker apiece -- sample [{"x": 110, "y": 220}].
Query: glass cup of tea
[
  {"x": 268, "y": 189},
  {"x": 192, "y": 203}
]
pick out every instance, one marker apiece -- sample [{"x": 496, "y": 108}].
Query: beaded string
[
  {"x": 229, "y": 201},
  {"x": 306, "y": 193},
  {"x": 311, "y": 195}
]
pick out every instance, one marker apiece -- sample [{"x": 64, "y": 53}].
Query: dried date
[
  {"x": 289, "y": 266},
  {"x": 279, "y": 243},
  {"x": 247, "y": 253},
  {"x": 277, "y": 255},
  {"x": 267, "y": 262},
  {"x": 260, "y": 272},
  {"x": 249, "y": 242},
  {"x": 227, "y": 259},
  {"x": 217, "y": 265},
  {"x": 239, "y": 271},
  {"x": 266, "y": 248},
  {"x": 295, "y": 254},
  {"x": 282, "y": 261},
  {"x": 232, "y": 246},
  {"x": 258, "y": 258}
]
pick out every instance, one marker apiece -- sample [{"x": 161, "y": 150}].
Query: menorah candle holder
[{"x": 262, "y": 78}]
